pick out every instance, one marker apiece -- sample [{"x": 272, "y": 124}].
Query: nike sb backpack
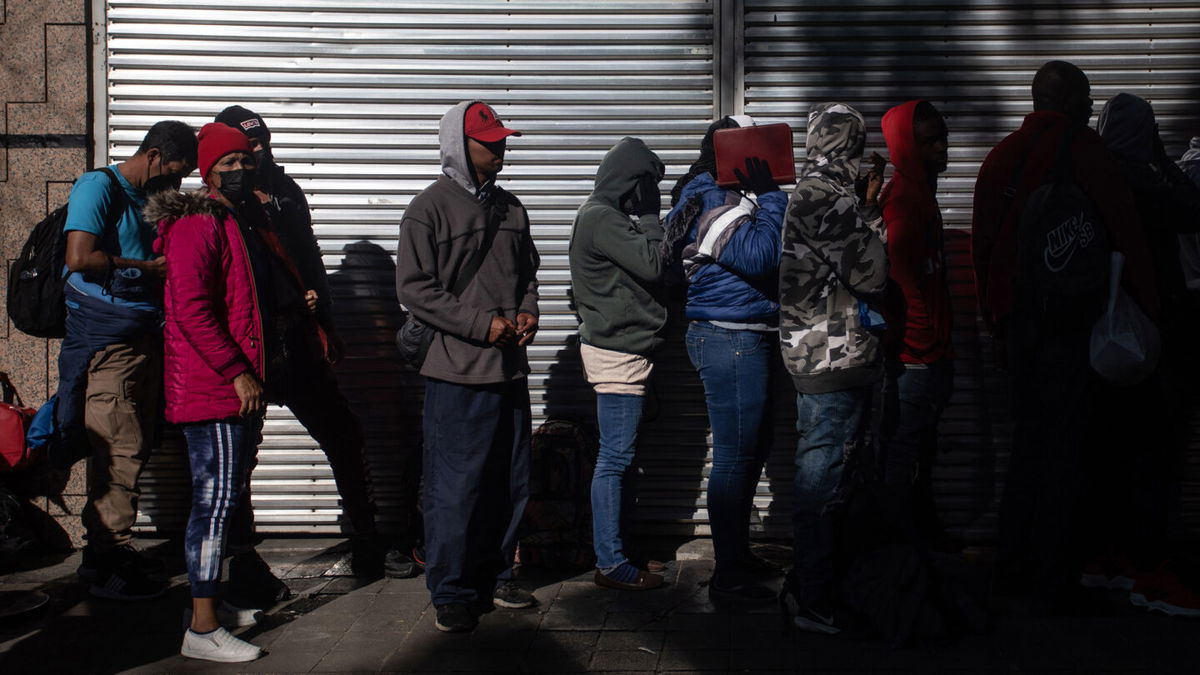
[{"x": 1063, "y": 253}]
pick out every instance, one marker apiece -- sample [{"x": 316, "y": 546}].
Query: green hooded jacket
[{"x": 615, "y": 261}]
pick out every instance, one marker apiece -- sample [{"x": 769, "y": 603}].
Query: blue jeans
[
  {"x": 476, "y": 472},
  {"x": 913, "y": 402},
  {"x": 219, "y": 454},
  {"x": 734, "y": 366},
  {"x": 618, "y": 416},
  {"x": 832, "y": 425}
]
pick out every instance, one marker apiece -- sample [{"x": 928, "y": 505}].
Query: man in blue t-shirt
[{"x": 110, "y": 363}]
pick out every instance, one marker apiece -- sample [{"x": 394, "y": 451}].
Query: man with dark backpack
[
  {"x": 110, "y": 365},
  {"x": 1049, "y": 209}
]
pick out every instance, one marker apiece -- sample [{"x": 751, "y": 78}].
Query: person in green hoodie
[{"x": 615, "y": 268}]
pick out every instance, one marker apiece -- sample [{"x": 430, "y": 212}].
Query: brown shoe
[{"x": 644, "y": 582}]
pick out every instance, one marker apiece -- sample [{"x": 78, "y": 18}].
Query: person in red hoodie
[
  {"x": 1054, "y": 390},
  {"x": 920, "y": 369},
  {"x": 234, "y": 307}
]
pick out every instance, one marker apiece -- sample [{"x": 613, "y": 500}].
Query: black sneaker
[
  {"x": 118, "y": 577},
  {"x": 455, "y": 618},
  {"x": 90, "y": 563},
  {"x": 396, "y": 565},
  {"x": 418, "y": 555},
  {"x": 252, "y": 582},
  {"x": 366, "y": 557},
  {"x": 741, "y": 589},
  {"x": 816, "y": 619},
  {"x": 511, "y": 596}
]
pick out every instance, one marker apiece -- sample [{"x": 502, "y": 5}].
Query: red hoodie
[
  {"x": 915, "y": 245},
  {"x": 994, "y": 243}
]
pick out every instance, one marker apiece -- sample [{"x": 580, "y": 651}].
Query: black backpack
[
  {"x": 35, "y": 280},
  {"x": 556, "y": 531},
  {"x": 1063, "y": 252}
]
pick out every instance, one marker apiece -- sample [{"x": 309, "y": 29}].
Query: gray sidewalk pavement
[{"x": 337, "y": 624}]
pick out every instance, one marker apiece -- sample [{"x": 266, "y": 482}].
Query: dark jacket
[
  {"x": 92, "y": 325},
  {"x": 916, "y": 252},
  {"x": 994, "y": 236},
  {"x": 441, "y": 230},
  {"x": 290, "y": 215},
  {"x": 1167, "y": 202},
  {"x": 742, "y": 283},
  {"x": 616, "y": 262}
]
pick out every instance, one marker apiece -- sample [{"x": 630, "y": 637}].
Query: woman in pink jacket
[{"x": 222, "y": 288}]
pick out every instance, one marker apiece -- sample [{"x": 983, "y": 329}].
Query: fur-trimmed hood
[{"x": 169, "y": 206}]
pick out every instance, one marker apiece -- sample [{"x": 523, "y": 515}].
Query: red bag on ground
[{"x": 14, "y": 423}]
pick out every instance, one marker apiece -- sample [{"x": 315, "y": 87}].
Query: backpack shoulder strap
[
  {"x": 116, "y": 198},
  {"x": 467, "y": 274}
]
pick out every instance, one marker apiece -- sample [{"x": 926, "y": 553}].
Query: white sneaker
[
  {"x": 219, "y": 645},
  {"x": 229, "y": 616}
]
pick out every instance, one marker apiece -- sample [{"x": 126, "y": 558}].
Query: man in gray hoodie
[
  {"x": 477, "y": 416},
  {"x": 615, "y": 268}
]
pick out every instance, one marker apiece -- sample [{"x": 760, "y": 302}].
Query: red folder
[{"x": 772, "y": 142}]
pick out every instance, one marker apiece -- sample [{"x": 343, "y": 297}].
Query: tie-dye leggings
[{"x": 218, "y": 452}]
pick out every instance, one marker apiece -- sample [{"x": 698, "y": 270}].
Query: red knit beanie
[{"x": 217, "y": 140}]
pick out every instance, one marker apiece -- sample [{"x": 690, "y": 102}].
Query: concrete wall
[{"x": 44, "y": 145}]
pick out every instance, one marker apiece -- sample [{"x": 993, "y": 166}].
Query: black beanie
[{"x": 249, "y": 123}]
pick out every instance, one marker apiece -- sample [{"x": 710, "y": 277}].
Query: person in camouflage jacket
[
  {"x": 833, "y": 255},
  {"x": 824, "y": 344}
]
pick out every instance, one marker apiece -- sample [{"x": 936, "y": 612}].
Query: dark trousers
[
  {"x": 476, "y": 477},
  {"x": 1055, "y": 428},
  {"x": 914, "y": 398},
  {"x": 313, "y": 396}
]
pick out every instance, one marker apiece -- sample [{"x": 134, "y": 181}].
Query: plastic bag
[{"x": 1125, "y": 344}]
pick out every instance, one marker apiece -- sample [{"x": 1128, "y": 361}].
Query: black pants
[
  {"x": 312, "y": 394},
  {"x": 476, "y": 471},
  {"x": 1042, "y": 519}
]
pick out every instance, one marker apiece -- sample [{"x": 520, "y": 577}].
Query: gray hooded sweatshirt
[{"x": 439, "y": 234}]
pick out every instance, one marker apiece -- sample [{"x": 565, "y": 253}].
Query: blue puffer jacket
[{"x": 743, "y": 285}]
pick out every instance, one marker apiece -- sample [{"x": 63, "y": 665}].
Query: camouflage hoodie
[{"x": 828, "y": 243}]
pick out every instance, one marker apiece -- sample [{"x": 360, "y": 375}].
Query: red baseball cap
[{"x": 481, "y": 123}]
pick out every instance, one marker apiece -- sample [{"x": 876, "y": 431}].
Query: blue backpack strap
[{"x": 116, "y": 198}]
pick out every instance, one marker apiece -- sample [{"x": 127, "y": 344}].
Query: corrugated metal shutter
[
  {"x": 353, "y": 90},
  {"x": 975, "y": 61}
]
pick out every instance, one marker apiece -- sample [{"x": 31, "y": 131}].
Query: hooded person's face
[
  {"x": 487, "y": 158},
  {"x": 932, "y": 140}
]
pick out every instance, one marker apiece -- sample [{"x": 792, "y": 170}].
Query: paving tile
[
  {"x": 556, "y": 663},
  {"x": 634, "y": 621},
  {"x": 693, "y": 660},
  {"x": 628, "y": 659},
  {"x": 702, "y": 622},
  {"x": 564, "y": 641},
  {"x": 360, "y": 659},
  {"x": 759, "y": 660},
  {"x": 286, "y": 661},
  {"x": 627, "y": 640},
  {"x": 555, "y": 620},
  {"x": 702, "y": 640}
]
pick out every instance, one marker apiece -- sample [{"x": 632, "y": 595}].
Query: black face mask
[
  {"x": 237, "y": 186},
  {"x": 162, "y": 183}
]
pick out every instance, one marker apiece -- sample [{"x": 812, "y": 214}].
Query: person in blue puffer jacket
[{"x": 728, "y": 245}]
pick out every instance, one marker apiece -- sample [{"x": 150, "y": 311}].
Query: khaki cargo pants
[{"x": 121, "y": 408}]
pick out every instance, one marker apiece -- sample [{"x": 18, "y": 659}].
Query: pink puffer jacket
[{"x": 213, "y": 326}]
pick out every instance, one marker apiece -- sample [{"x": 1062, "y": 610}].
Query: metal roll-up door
[
  {"x": 975, "y": 61},
  {"x": 353, "y": 91}
]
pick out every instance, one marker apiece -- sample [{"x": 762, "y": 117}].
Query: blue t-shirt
[{"x": 133, "y": 238}]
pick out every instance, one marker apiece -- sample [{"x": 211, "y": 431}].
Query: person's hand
[
  {"x": 310, "y": 299},
  {"x": 527, "y": 325},
  {"x": 757, "y": 178},
  {"x": 262, "y": 196},
  {"x": 156, "y": 268},
  {"x": 250, "y": 393},
  {"x": 649, "y": 199},
  {"x": 501, "y": 332},
  {"x": 875, "y": 178}
]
